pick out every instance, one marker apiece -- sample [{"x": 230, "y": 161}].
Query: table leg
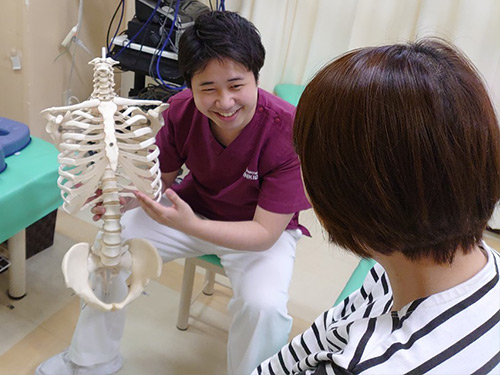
[{"x": 17, "y": 269}]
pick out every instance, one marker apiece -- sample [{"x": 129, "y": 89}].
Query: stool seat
[{"x": 211, "y": 258}]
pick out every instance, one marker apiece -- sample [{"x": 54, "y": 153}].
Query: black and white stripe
[{"x": 453, "y": 332}]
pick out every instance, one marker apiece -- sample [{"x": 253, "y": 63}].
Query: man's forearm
[{"x": 238, "y": 235}]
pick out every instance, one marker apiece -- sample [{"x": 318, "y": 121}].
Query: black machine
[{"x": 145, "y": 40}]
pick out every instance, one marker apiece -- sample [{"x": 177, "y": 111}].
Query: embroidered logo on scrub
[{"x": 250, "y": 175}]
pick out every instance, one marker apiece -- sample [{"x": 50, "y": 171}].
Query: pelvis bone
[{"x": 107, "y": 144}]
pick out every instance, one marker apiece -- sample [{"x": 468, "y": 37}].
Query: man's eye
[
  {"x": 207, "y": 90},
  {"x": 237, "y": 86}
]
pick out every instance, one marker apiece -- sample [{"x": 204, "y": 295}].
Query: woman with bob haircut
[{"x": 400, "y": 154}]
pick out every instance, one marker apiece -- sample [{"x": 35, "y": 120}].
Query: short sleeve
[{"x": 282, "y": 190}]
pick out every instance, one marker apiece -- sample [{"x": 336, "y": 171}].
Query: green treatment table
[{"x": 28, "y": 192}]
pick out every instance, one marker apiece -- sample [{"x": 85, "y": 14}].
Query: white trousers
[{"x": 260, "y": 280}]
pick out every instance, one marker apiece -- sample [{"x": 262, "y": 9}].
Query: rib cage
[
  {"x": 83, "y": 158},
  {"x": 81, "y": 134}
]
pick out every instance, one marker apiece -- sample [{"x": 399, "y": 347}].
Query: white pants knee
[
  {"x": 260, "y": 280},
  {"x": 260, "y": 322}
]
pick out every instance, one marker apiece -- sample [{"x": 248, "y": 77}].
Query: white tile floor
[{"x": 42, "y": 323}]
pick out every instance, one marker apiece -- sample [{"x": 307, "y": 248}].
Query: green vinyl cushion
[
  {"x": 28, "y": 187},
  {"x": 211, "y": 258},
  {"x": 356, "y": 279},
  {"x": 289, "y": 92}
]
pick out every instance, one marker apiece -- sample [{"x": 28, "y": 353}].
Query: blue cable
[
  {"x": 140, "y": 30},
  {"x": 163, "y": 47}
]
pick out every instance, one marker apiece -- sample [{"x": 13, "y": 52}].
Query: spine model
[{"x": 107, "y": 150}]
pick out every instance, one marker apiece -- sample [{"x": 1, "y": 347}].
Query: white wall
[
  {"x": 34, "y": 30},
  {"x": 301, "y": 36}
]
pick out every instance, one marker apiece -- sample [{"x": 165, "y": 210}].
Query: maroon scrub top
[{"x": 260, "y": 167}]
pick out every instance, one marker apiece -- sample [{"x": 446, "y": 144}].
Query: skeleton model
[{"x": 107, "y": 145}]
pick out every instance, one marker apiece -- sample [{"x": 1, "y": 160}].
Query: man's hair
[
  {"x": 219, "y": 35},
  {"x": 400, "y": 150}
]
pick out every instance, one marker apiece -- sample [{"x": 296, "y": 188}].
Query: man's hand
[
  {"x": 98, "y": 210},
  {"x": 179, "y": 216},
  {"x": 258, "y": 234}
]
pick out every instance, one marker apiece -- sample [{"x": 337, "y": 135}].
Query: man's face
[{"x": 226, "y": 92}]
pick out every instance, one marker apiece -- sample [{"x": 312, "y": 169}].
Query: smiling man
[{"x": 240, "y": 200}]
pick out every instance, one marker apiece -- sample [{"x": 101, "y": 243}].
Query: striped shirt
[{"x": 456, "y": 331}]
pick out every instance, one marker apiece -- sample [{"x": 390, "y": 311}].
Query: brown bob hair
[{"x": 400, "y": 150}]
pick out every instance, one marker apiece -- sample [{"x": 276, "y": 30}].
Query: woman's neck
[{"x": 411, "y": 280}]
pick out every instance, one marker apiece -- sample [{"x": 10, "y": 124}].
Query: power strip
[{"x": 122, "y": 40}]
